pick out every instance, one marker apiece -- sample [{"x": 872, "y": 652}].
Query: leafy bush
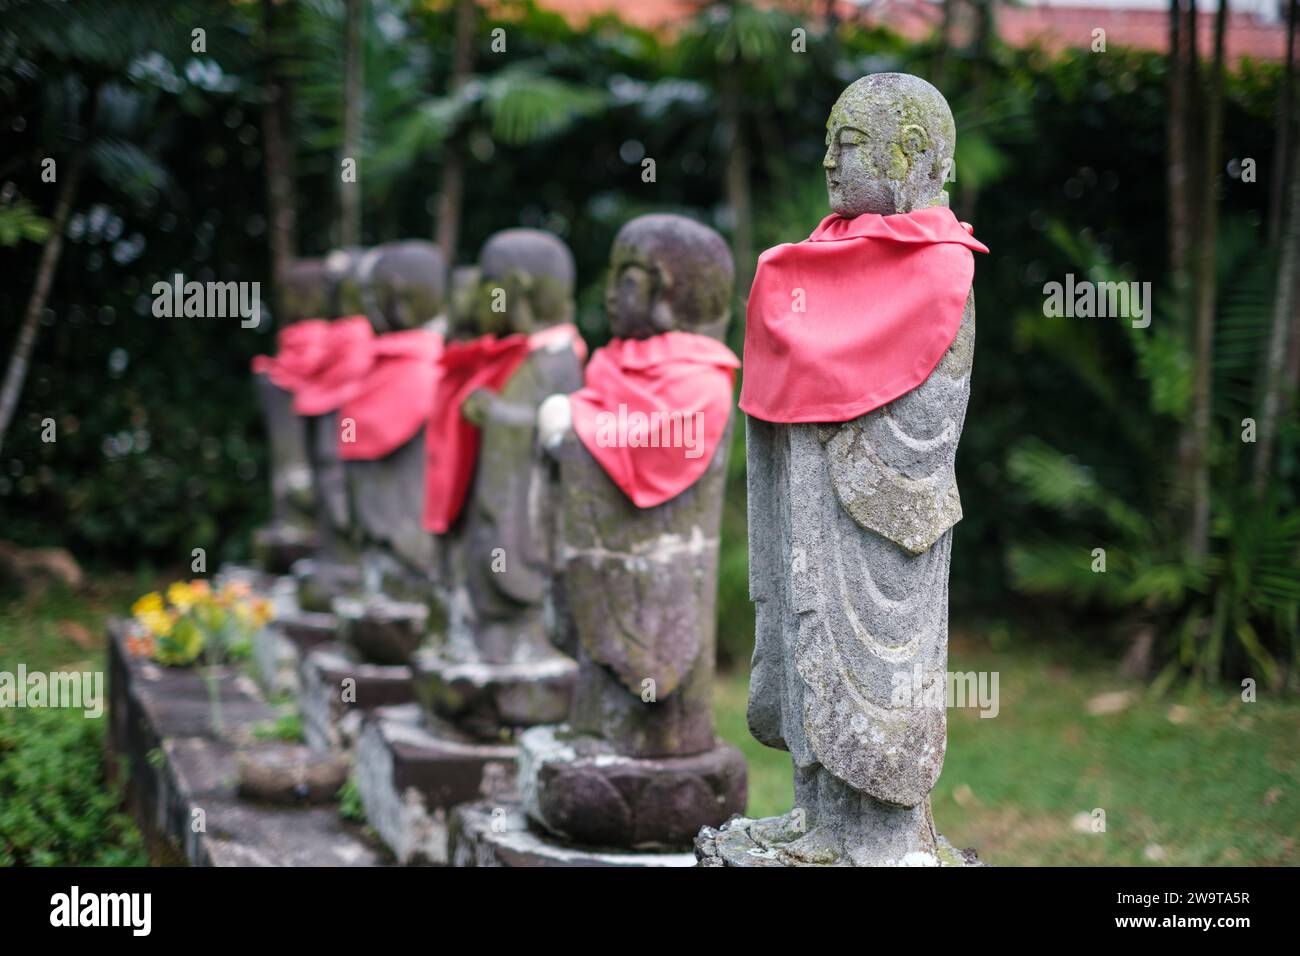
[{"x": 56, "y": 808}]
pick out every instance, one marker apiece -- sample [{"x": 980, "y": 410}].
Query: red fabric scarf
[
  {"x": 451, "y": 443},
  {"x": 679, "y": 374},
  {"x": 321, "y": 361},
  {"x": 883, "y": 296},
  {"x": 395, "y": 397}
]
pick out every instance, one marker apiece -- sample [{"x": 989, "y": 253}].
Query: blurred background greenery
[{"x": 1081, "y": 433}]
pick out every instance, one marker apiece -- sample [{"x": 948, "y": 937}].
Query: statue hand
[
  {"x": 477, "y": 407},
  {"x": 554, "y": 421}
]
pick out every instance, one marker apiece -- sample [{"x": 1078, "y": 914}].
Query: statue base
[
  {"x": 784, "y": 841},
  {"x": 277, "y": 546},
  {"x": 320, "y": 581},
  {"x": 487, "y": 834},
  {"x": 379, "y": 629},
  {"x": 485, "y": 699},
  {"x": 411, "y": 775},
  {"x": 332, "y": 712},
  {"x": 581, "y": 788}
]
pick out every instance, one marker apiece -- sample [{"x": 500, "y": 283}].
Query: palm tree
[{"x": 1198, "y": 531}]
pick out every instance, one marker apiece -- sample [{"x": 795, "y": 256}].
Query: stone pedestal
[
  {"x": 582, "y": 789},
  {"x": 279, "y": 545},
  {"x": 498, "y": 834},
  {"x": 379, "y": 630},
  {"x": 487, "y": 700},
  {"x": 775, "y": 841},
  {"x": 320, "y": 581},
  {"x": 337, "y": 691},
  {"x": 411, "y": 776}
]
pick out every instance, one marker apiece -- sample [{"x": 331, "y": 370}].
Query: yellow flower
[
  {"x": 236, "y": 590},
  {"x": 158, "y": 622},
  {"x": 150, "y": 602},
  {"x": 181, "y": 595},
  {"x": 262, "y": 611}
]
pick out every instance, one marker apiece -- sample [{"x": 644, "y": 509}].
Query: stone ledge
[
  {"x": 411, "y": 777},
  {"x": 499, "y": 835},
  {"x": 179, "y": 772}
]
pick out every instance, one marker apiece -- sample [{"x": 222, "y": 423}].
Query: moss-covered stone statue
[
  {"x": 496, "y": 671},
  {"x": 401, "y": 288},
  {"x": 291, "y": 534},
  {"x": 526, "y": 282},
  {"x": 637, "y": 768},
  {"x": 858, "y": 361}
]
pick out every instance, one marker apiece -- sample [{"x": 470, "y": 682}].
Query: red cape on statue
[
  {"x": 321, "y": 361},
  {"x": 395, "y": 396},
  {"x": 854, "y": 316},
  {"x": 451, "y": 443},
  {"x": 653, "y": 411}
]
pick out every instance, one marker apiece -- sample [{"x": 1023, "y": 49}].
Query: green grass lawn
[
  {"x": 1197, "y": 780},
  {"x": 1203, "y": 780}
]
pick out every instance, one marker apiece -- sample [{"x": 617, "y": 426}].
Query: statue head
[
  {"x": 398, "y": 285},
  {"x": 525, "y": 282},
  {"x": 345, "y": 268},
  {"x": 462, "y": 304},
  {"x": 408, "y": 283},
  {"x": 889, "y": 146},
  {"x": 668, "y": 273},
  {"x": 307, "y": 292}
]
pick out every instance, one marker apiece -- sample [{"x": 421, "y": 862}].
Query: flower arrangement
[
  {"x": 195, "y": 624},
  {"x": 194, "y": 621}
]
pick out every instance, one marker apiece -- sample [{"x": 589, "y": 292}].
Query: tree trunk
[
  {"x": 1285, "y": 130},
  {"x": 19, "y": 360},
  {"x": 940, "y": 76},
  {"x": 1284, "y": 309},
  {"x": 1176, "y": 144},
  {"x": 282, "y": 232},
  {"x": 453, "y": 168},
  {"x": 353, "y": 105},
  {"x": 1198, "y": 530},
  {"x": 737, "y": 183},
  {"x": 1282, "y": 361},
  {"x": 1187, "y": 227}
]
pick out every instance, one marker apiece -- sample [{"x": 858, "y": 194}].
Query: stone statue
[
  {"x": 497, "y": 642},
  {"x": 494, "y": 672},
  {"x": 292, "y": 532},
  {"x": 334, "y": 569},
  {"x": 404, "y": 290},
  {"x": 849, "y": 536},
  {"x": 401, "y": 287},
  {"x": 638, "y": 766}
]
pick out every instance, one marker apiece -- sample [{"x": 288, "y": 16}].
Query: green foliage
[
  {"x": 1234, "y": 613},
  {"x": 55, "y": 806},
  {"x": 285, "y": 727},
  {"x": 350, "y": 805},
  {"x": 19, "y": 220}
]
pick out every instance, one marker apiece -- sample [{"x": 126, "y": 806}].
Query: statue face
[
  {"x": 668, "y": 273},
  {"x": 889, "y": 141},
  {"x": 855, "y": 183},
  {"x": 632, "y": 296},
  {"x": 504, "y": 305}
]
